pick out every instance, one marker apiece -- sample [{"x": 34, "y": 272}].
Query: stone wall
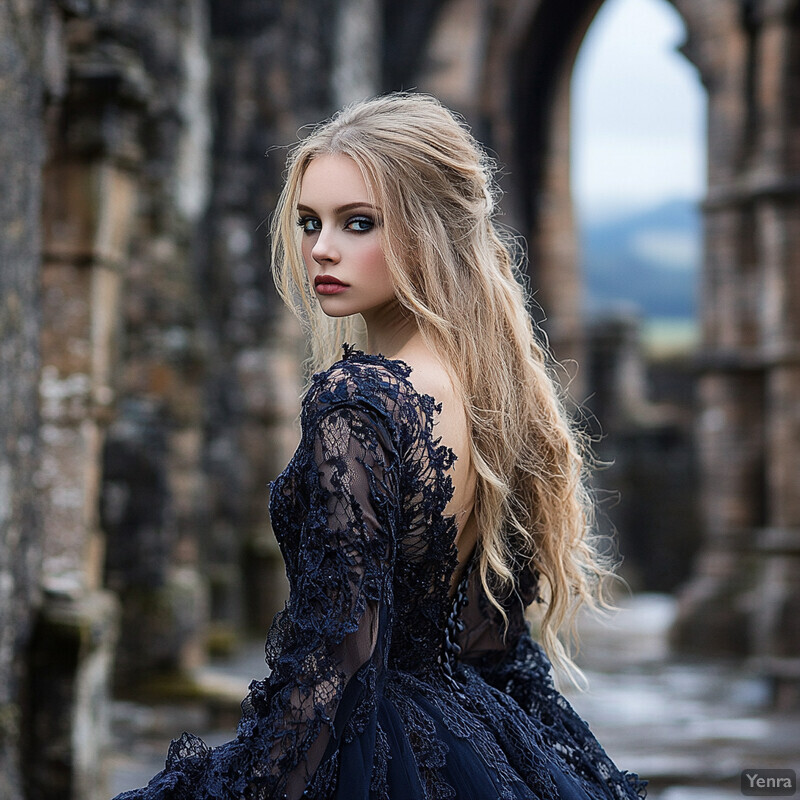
[
  {"x": 271, "y": 64},
  {"x": 640, "y": 415},
  {"x": 169, "y": 373},
  {"x": 21, "y": 154},
  {"x": 152, "y": 501},
  {"x": 746, "y": 589}
]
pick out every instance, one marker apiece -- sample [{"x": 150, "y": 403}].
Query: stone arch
[
  {"x": 746, "y": 581},
  {"x": 539, "y": 64},
  {"x": 651, "y": 466},
  {"x": 532, "y": 59},
  {"x": 517, "y": 98},
  {"x": 746, "y": 584}
]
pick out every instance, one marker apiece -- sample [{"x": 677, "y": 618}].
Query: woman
[{"x": 436, "y": 492}]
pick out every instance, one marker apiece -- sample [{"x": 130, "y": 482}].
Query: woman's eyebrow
[{"x": 340, "y": 209}]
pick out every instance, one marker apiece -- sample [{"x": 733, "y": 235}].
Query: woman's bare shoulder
[{"x": 428, "y": 374}]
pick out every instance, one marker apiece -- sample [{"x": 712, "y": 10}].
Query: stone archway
[
  {"x": 744, "y": 596},
  {"x": 745, "y": 592},
  {"x": 539, "y": 66}
]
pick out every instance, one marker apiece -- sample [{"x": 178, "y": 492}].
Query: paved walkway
[{"x": 690, "y": 728}]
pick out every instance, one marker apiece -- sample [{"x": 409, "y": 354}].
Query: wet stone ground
[{"x": 690, "y": 728}]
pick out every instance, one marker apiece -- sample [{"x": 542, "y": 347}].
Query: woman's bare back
[{"x": 429, "y": 376}]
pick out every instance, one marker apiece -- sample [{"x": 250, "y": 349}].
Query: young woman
[{"x": 435, "y": 494}]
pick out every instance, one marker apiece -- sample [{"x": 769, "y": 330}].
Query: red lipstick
[{"x": 327, "y": 284}]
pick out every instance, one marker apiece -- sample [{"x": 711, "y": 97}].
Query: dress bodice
[{"x": 375, "y": 394}]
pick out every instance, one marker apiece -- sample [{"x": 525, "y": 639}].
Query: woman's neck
[{"x": 391, "y": 329}]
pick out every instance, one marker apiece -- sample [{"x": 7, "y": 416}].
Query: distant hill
[{"x": 649, "y": 260}]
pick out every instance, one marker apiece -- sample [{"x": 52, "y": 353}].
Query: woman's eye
[
  {"x": 309, "y": 224},
  {"x": 360, "y": 224}
]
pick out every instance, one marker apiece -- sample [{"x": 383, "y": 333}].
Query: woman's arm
[
  {"x": 339, "y": 601},
  {"x": 327, "y": 645}
]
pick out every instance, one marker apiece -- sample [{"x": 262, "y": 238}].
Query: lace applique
[
  {"x": 429, "y": 750},
  {"x": 382, "y": 755}
]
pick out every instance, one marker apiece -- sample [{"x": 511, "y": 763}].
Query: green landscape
[{"x": 647, "y": 264}]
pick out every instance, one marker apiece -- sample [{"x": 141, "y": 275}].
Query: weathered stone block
[
  {"x": 88, "y": 210},
  {"x": 68, "y": 478},
  {"x": 72, "y": 652},
  {"x": 164, "y": 629}
]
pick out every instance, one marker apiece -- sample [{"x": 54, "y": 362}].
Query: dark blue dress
[{"x": 383, "y": 686}]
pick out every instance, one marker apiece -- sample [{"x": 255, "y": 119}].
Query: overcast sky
[{"x": 638, "y": 112}]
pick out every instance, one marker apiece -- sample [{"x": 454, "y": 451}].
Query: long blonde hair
[{"x": 454, "y": 271}]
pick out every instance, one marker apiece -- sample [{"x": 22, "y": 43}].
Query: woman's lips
[
  {"x": 327, "y": 284},
  {"x": 330, "y": 288}
]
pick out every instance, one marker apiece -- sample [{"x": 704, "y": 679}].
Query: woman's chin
[{"x": 337, "y": 311}]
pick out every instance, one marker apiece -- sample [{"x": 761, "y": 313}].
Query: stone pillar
[
  {"x": 616, "y": 371},
  {"x": 21, "y": 155},
  {"x": 456, "y": 55},
  {"x": 745, "y": 596},
  {"x": 775, "y": 623},
  {"x": 277, "y": 67},
  {"x": 554, "y": 252},
  {"x": 641, "y": 421},
  {"x": 87, "y": 214},
  {"x": 154, "y": 506},
  {"x": 72, "y": 650},
  {"x": 714, "y": 607},
  {"x": 526, "y": 100},
  {"x": 89, "y": 201},
  {"x": 356, "y": 51}
]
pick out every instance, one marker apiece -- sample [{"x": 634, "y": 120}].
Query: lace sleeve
[
  {"x": 338, "y": 604},
  {"x": 326, "y": 648}
]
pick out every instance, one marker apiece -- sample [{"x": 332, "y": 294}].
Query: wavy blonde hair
[{"x": 454, "y": 271}]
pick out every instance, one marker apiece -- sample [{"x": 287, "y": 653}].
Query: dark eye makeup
[
  {"x": 360, "y": 224},
  {"x": 356, "y": 224},
  {"x": 309, "y": 224}
]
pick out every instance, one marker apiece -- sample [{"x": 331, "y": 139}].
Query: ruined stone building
[{"x": 149, "y": 379}]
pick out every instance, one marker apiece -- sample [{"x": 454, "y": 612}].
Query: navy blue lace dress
[{"x": 384, "y": 686}]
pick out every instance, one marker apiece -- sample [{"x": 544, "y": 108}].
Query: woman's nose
[{"x": 324, "y": 249}]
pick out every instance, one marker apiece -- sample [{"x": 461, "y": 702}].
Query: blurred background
[{"x": 150, "y": 379}]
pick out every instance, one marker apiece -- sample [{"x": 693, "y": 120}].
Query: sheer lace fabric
[{"x": 380, "y": 685}]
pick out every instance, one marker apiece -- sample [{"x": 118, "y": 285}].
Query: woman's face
[{"x": 342, "y": 239}]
